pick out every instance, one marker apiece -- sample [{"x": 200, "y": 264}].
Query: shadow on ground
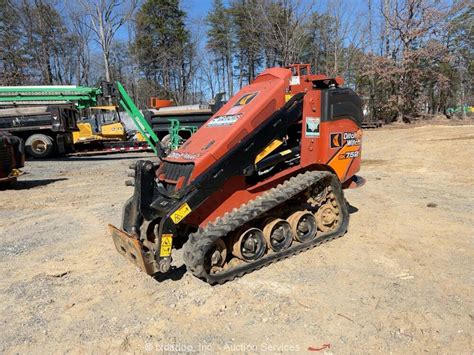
[
  {"x": 96, "y": 158},
  {"x": 30, "y": 184},
  {"x": 175, "y": 274},
  {"x": 352, "y": 209}
]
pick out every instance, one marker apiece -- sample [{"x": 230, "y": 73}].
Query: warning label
[
  {"x": 166, "y": 244},
  {"x": 180, "y": 213}
]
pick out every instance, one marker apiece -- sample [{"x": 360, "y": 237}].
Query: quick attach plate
[{"x": 133, "y": 250}]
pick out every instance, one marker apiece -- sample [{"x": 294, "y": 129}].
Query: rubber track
[{"x": 201, "y": 241}]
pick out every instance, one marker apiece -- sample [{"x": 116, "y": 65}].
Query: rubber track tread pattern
[{"x": 201, "y": 241}]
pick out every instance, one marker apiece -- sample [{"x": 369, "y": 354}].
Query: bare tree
[
  {"x": 283, "y": 28},
  {"x": 412, "y": 22},
  {"x": 106, "y": 17},
  {"x": 82, "y": 38}
]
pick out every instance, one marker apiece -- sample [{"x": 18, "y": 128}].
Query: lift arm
[{"x": 137, "y": 117}]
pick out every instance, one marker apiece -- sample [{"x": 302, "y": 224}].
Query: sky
[
  {"x": 353, "y": 17},
  {"x": 197, "y": 10}
]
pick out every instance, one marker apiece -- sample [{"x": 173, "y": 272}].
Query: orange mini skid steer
[{"x": 261, "y": 180}]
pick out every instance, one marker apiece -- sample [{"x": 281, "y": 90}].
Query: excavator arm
[{"x": 138, "y": 119}]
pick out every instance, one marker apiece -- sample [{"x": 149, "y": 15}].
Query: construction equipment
[
  {"x": 138, "y": 119},
  {"x": 262, "y": 180},
  {"x": 466, "y": 109},
  {"x": 157, "y": 103},
  {"x": 12, "y": 157},
  {"x": 82, "y": 96},
  {"x": 45, "y": 129},
  {"x": 100, "y": 123},
  {"x": 175, "y": 124},
  {"x": 100, "y": 129}
]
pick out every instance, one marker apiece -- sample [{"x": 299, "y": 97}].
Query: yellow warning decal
[
  {"x": 288, "y": 97},
  {"x": 244, "y": 100},
  {"x": 180, "y": 213},
  {"x": 166, "y": 244},
  {"x": 268, "y": 149}
]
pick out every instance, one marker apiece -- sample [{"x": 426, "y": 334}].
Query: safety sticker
[
  {"x": 244, "y": 100},
  {"x": 226, "y": 120},
  {"x": 186, "y": 156},
  {"x": 234, "y": 110},
  {"x": 180, "y": 213},
  {"x": 166, "y": 244},
  {"x": 312, "y": 126}
]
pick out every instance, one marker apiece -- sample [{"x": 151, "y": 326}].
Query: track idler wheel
[
  {"x": 278, "y": 234},
  {"x": 327, "y": 216},
  {"x": 249, "y": 244},
  {"x": 216, "y": 256},
  {"x": 303, "y": 226}
]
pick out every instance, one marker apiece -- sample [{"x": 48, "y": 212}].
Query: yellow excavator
[
  {"x": 99, "y": 123},
  {"x": 102, "y": 126}
]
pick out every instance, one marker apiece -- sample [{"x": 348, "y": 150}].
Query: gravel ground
[{"x": 400, "y": 281}]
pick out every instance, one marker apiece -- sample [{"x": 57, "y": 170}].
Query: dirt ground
[{"x": 401, "y": 279}]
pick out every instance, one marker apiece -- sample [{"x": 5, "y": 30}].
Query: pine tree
[
  {"x": 13, "y": 55},
  {"x": 461, "y": 44},
  {"x": 163, "y": 47},
  {"x": 247, "y": 27},
  {"x": 47, "y": 41},
  {"x": 320, "y": 42},
  {"x": 220, "y": 41}
]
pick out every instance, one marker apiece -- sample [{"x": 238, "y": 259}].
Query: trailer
[{"x": 372, "y": 124}]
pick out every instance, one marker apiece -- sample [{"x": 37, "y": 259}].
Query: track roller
[
  {"x": 249, "y": 244},
  {"x": 278, "y": 234},
  {"x": 303, "y": 226}
]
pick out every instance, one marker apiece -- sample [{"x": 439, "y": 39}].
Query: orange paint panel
[
  {"x": 228, "y": 126},
  {"x": 340, "y": 163}
]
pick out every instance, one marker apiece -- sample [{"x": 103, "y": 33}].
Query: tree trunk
[
  {"x": 461, "y": 79},
  {"x": 241, "y": 75},
  {"x": 230, "y": 74},
  {"x": 106, "y": 65},
  {"x": 104, "y": 44}
]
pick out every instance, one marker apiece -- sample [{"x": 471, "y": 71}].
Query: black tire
[
  {"x": 166, "y": 141},
  {"x": 39, "y": 146},
  {"x": 166, "y": 144}
]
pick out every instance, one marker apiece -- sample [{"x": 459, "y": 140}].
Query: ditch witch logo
[
  {"x": 244, "y": 100},
  {"x": 337, "y": 140}
]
